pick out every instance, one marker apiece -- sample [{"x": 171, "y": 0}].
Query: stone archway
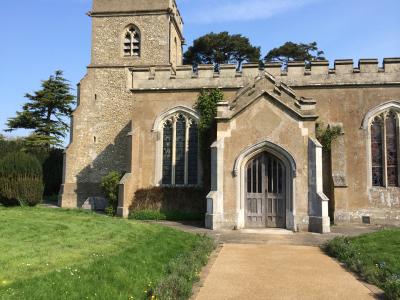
[
  {"x": 283, "y": 219},
  {"x": 265, "y": 192}
]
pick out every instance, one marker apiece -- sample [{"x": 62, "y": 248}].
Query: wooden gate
[{"x": 265, "y": 192}]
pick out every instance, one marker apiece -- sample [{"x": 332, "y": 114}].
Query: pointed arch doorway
[{"x": 265, "y": 192}]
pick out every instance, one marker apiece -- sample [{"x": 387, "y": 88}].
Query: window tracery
[
  {"x": 384, "y": 149},
  {"x": 132, "y": 42},
  {"x": 180, "y": 150}
]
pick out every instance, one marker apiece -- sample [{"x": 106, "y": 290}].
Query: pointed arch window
[
  {"x": 132, "y": 42},
  {"x": 385, "y": 149},
  {"x": 180, "y": 163}
]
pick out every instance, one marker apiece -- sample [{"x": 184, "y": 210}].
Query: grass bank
[
  {"x": 61, "y": 254},
  {"x": 375, "y": 257}
]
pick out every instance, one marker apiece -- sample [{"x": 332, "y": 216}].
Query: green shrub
[
  {"x": 327, "y": 135},
  {"x": 21, "y": 180},
  {"x": 147, "y": 215},
  {"x": 110, "y": 186},
  {"x": 183, "y": 272},
  {"x": 154, "y": 215},
  {"x": 10, "y": 146},
  {"x": 170, "y": 199},
  {"x": 50, "y": 159}
]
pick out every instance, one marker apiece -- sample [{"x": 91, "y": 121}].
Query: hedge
[{"x": 21, "y": 180}]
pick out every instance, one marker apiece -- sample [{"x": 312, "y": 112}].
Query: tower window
[{"x": 132, "y": 42}]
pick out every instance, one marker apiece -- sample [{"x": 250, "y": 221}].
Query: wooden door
[{"x": 265, "y": 192}]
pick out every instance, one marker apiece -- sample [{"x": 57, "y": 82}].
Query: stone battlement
[{"x": 368, "y": 71}]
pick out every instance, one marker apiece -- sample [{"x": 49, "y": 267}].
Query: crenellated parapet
[
  {"x": 319, "y": 73},
  {"x": 184, "y": 77},
  {"x": 341, "y": 66},
  {"x": 368, "y": 71}
]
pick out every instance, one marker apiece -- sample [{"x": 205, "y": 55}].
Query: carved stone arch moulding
[
  {"x": 377, "y": 110},
  {"x": 268, "y": 146},
  {"x": 181, "y": 109},
  {"x": 177, "y": 153}
]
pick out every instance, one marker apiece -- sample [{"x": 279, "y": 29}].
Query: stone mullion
[
  {"x": 174, "y": 119},
  {"x": 187, "y": 122}
]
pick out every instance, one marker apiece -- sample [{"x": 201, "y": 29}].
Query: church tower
[
  {"x": 126, "y": 34},
  {"x": 136, "y": 32}
]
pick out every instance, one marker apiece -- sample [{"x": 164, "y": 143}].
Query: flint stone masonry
[{"x": 272, "y": 110}]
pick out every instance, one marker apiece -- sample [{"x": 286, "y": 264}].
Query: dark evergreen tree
[
  {"x": 46, "y": 112},
  {"x": 295, "y": 52},
  {"x": 222, "y": 48}
]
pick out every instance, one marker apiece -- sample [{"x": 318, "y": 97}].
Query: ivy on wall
[
  {"x": 326, "y": 135},
  {"x": 207, "y": 106}
]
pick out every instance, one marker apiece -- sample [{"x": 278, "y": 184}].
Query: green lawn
[
  {"x": 375, "y": 256},
  {"x": 61, "y": 254}
]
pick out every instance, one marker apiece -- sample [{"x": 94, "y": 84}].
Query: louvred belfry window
[
  {"x": 180, "y": 151},
  {"x": 384, "y": 150},
  {"x": 132, "y": 42}
]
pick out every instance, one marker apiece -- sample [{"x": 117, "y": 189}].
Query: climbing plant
[
  {"x": 326, "y": 135},
  {"x": 207, "y": 106}
]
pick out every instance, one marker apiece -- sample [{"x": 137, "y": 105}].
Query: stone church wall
[
  {"x": 120, "y": 98},
  {"x": 344, "y": 95},
  {"x": 101, "y": 124}
]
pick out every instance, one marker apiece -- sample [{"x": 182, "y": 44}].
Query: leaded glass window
[
  {"x": 391, "y": 149},
  {"x": 193, "y": 154},
  {"x": 132, "y": 41},
  {"x": 167, "y": 153},
  {"x": 180, "y": 151},
  {"x": 377, "y": 152},
  {"x": 384, "y": 150}
]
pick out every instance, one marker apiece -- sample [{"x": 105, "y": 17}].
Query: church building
[{"x": 136, "y": 115}]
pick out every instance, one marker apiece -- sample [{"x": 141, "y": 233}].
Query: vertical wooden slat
[{"x": 256, "y": 169}]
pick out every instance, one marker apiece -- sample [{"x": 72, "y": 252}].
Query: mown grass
[
  {"x": 61, "y": 254},
  {"x": 374, "y": 256}
]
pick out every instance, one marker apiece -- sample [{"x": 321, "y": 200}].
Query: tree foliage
[
  {"x": 295, "y": 52},
  {"x": 207, "y": 106},
  {"x": 326, "y": 135},
  {"x": 110, "y": 186},
  {"x": 45, "y": 112},
  {"x": 221, "y": 48}
]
